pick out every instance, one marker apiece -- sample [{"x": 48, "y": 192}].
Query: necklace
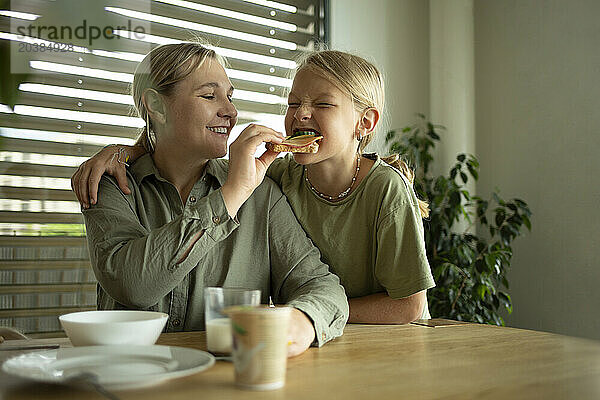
[{"x": 339, "y": 196}]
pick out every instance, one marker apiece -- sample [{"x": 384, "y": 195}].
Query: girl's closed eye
[
  {"x": 208, "y": 96},
  {"x": 293, "y": 105}
]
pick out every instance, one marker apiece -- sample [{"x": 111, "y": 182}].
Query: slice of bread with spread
[{"x": 299, "y": 142}]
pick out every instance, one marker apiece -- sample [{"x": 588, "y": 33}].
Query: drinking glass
[{"x": 218, "y": 324}]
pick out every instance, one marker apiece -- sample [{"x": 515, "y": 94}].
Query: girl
[{"x": 360, "y": 211}]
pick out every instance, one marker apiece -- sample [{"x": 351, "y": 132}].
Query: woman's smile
[{"x": 221, "y": 130}]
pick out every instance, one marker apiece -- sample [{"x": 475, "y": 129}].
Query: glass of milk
[{"x": 218, "y": 325}]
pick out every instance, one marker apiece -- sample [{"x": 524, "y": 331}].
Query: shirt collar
[{"x": 144, "y": 166}]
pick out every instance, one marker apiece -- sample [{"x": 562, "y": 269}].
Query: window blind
[{"x": 74, "y": 102}]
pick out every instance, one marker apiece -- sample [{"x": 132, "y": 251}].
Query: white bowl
[{"x": 90, "y": 328}]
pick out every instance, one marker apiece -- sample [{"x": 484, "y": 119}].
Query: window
[{"x": 75, "y": 100}]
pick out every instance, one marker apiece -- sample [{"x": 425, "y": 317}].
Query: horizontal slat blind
[
  {"x": 73, "y": 103},
  {"x": 43, "y": 277}
]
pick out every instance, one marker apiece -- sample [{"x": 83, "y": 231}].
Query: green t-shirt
[{"x": 373, "y": 239}]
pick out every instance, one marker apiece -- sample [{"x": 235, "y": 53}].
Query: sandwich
[{"x": 299, "y": 142}]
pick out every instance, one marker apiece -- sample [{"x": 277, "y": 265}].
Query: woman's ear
[
  {"x": 369, "y": 120},
  {"x": 155, "y": 105}
]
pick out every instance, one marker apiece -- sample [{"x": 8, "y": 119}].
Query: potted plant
[{"x": 469, "y": 268}]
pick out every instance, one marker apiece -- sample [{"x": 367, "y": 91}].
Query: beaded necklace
[{"x": 339, "y": 196}]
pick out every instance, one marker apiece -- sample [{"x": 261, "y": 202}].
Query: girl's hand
[
  {"x": 246, "y": 171},
  {"x": 301, "y": 333},
  {"x": 110, "y": 160}
]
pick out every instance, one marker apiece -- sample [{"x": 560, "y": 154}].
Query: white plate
[{"x": 115, "y": 367}]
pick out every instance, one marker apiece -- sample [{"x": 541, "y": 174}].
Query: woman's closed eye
[
  {"x": 293, "y": 105},
  {"x": 212, "y": 97}
]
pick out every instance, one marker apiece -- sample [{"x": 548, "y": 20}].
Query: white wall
[
  {"x": 537, "y": 131},
  {"x": 393, "y": 34},
  {"x": 452, "y": 80},
  {"x": 538, "y": 138}
]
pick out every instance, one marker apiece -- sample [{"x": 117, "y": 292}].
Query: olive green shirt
[
  {"x": 373, "y": 239},
  {"x": 136, "y": 240}
]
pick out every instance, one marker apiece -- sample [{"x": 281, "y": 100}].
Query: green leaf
[
  {"x": 473, "y": 171},
  {"x": 455, "y": 198},
  {"x": 482, "y": 207},
  {"x": 512, "y": 228},
  {"x": 500, "y": 215},
  {"x": 464, "y": 177},
  {"x": 526, "y": 211},
  {"x": 439, "y": 271},
  {"x": 505, "y": 235},
  {"x": 490, "y": 261},
  {"x": 506, "y": 301},
  {"x": 526, "y": 221},
  {"x": 496, "y": 302},
  {"x": 520, "y": 203},
  {"x": 481, "y": 290}
]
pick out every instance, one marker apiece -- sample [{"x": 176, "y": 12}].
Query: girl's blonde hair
[
  {"x": 363, "y": 82},
  {"x": 160, "y": 70}
]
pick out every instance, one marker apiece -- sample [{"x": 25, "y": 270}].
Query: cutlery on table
[{"x": 15, "y": 347}]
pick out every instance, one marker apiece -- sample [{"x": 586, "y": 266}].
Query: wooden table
[{"x": 391, "y": 362}]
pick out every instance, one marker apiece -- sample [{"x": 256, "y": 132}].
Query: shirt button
[
  {"x": 192, "y": 199},
  {"x": 323, "y": 336},
  {"x": 216, "y": 219},
  {"x": 176, "y": 322}
]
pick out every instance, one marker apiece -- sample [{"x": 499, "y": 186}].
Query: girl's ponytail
[{"x": 395, "y": 161}]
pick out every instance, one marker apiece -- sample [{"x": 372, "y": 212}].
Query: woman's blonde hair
[
  {"x": 160, "y": 70},
  {"x": 363, "y": 82}
]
